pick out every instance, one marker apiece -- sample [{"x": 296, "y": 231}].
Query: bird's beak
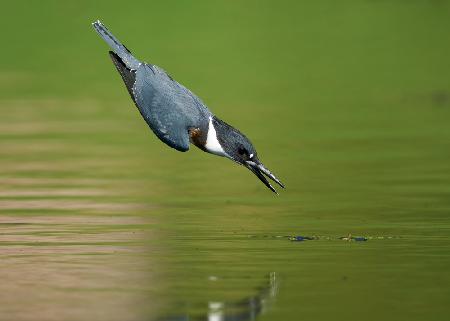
[{"x": 258, "y": 169}]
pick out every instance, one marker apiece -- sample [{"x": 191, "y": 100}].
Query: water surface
[{"x": 348, "y": 103}]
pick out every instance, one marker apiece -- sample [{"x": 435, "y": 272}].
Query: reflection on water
[
  {"x": 72, "y": 267},
  {"x": 246, "y": 309},
  {"x": 73, "y": 243}
]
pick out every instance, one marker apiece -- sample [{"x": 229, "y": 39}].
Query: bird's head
[{"x": 237, "y": 147}]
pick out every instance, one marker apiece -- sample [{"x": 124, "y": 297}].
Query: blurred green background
[{"x": 347, "y": 102}]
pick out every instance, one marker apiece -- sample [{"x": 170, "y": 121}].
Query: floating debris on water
[
  {"x": 300, "y": 238},
  {"x": 349, "y": 237},
  {"x": 353, "y": 238}
]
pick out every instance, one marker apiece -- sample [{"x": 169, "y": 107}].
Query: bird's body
[{"x": 176, "y": 115}]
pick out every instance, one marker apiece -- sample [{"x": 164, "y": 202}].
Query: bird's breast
[{"x": 212, "y": 144}]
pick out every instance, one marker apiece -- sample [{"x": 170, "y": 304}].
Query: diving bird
[{"x": 176, "y": 115}]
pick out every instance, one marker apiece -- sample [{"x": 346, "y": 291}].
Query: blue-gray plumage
[{"x": 176, "y": 115}]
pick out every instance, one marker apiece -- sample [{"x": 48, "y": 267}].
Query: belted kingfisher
[{"x": 176, "y": 115}]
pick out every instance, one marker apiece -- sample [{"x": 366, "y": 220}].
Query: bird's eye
[{"x": 242, "y": 151}]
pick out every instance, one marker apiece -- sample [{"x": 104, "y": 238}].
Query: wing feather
[{"x": 168, "y": 107}]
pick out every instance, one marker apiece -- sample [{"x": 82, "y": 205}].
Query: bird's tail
[{"x": 121, "y": 51}]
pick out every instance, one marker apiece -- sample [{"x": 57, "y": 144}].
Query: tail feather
[
  {"x": 125, "y": 55},
  {"x": 128, "y": 76}
]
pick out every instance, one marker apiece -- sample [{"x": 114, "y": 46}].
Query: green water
[{"x": 347, "y": 102}]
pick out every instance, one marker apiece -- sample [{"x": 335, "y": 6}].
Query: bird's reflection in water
[{"x": 246, "y": 309}]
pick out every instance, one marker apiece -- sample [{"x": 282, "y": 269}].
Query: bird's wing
[{"x": 169, "y": 108}]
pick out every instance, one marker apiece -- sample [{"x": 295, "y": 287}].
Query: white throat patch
[{"x": 212, "y": 144}]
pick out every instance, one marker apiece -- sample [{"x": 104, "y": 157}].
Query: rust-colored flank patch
[{"x": 197, "y": 137}]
